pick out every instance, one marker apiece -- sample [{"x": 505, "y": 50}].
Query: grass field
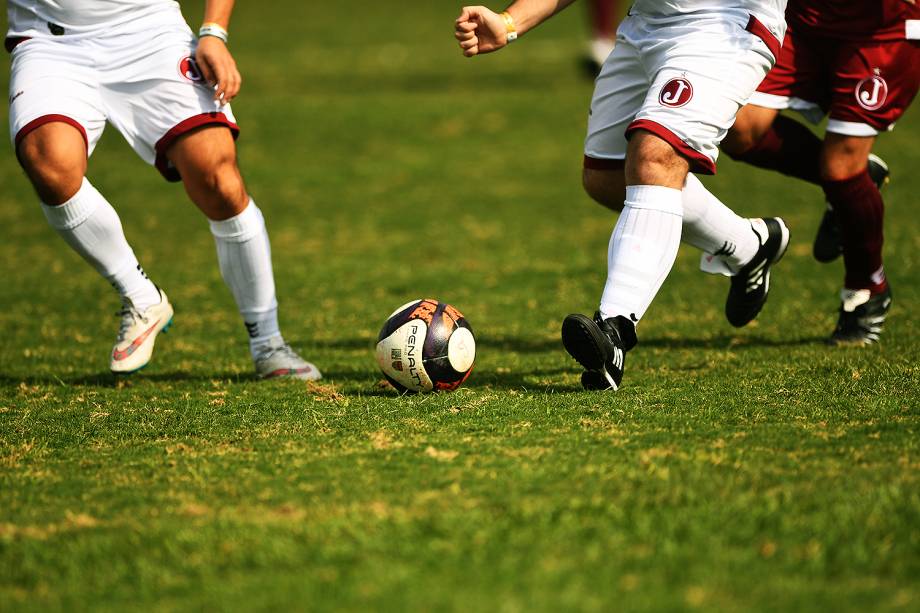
[{"x": 748, "y": 470}]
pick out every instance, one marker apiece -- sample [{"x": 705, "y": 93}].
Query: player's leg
[
  {"x": 764, "y": 138},
  {"x": 206, "y": 161},
  {"x": 664, "y": 145},
  {"x": 56, "y": 120},
  {"x": 873, "y": 85},
  {"x": 172, "y": 121},
  {"x": 707, "y": 223},
  {"x": 859, "y": 210},
  {"x": 599, "y": 344}
]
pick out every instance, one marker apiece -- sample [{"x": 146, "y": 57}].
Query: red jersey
[{"x": 854, "y": 20}]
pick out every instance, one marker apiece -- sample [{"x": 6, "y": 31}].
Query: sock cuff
[
  {"x": 75, "y": 211},
  {"x": 844, "y": 189},
  {"x": 655, "y": 198},
  {"x": 256, "y": 312},
  {"x": 240, "y": 228}
]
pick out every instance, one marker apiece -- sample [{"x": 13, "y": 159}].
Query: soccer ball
[{"x": 424, "y": 346}]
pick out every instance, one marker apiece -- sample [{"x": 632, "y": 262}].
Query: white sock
[
  {"x": 727, "y": 240},
  {"x": 642, "y": 250},
  {"x": 245, "y": 259},
  {"x": 91, "y": 227}
]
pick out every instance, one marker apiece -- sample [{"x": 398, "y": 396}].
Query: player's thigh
[
  {"x": 704, "y": 74},
  {"x": 56, "y": 115},
  {"x": 873, "y": 85}
]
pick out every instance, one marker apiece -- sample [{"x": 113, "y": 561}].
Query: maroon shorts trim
[
  {"x": 755, "y": 27},
  {"x": 603, "y": 163},
  {"x": 699, "y": 163},
  {"x": 11, "y": 41},
  {"x": 44, "y": 119},
  {"x": 184, "y": 127}
]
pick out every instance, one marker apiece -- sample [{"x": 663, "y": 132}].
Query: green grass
[{"x": 748, "y": 470}]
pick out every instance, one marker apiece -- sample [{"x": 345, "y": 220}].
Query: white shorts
[
  {"x": 139, "y": 77},
  {"x": 683, "y": 80}
]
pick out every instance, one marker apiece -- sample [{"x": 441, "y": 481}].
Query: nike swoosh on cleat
[
  {"x": 286, "y": 371},
  {"x": 121, "y": 354}
]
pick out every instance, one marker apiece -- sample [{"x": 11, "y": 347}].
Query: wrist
[
  {"x": 210, "y": 28},
  {"x": 511, "y": 32}
]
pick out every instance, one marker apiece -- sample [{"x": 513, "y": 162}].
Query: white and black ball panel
[
  {"x": 399, "y": 356},
  {"x": 448, "y": 347},
  {"x": 461, "y": 349}
]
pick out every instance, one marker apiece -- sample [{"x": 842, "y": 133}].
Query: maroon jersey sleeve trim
[
  {"x": 184, "y": 127},
  {"x": 698, "y": 162},
  {"x": 755, "y": 27}
]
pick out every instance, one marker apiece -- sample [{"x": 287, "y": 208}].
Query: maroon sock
[
  {"x": 604, "y": 17},
  {"x": 788, "y": 147},
  {"x": 860, "y": 211}
]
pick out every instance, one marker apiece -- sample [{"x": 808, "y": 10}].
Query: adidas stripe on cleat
[
  {"x": 750, "y": 286},
  {"x": 600, "y": 346},
  {"x": 862, "y": 317}
]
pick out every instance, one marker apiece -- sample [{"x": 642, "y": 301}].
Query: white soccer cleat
[
  {"x": 279, "y": 360},
  {"x": 138, "y": 333}
]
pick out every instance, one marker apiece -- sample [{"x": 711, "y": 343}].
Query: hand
[
  {"x": 480, "y": 30},
  {"x": 218, "y": 68}
]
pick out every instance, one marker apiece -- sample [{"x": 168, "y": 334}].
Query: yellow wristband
[{"x": 510, "y": 30}]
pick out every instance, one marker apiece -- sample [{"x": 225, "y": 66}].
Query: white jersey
[
  {"x": 29, "y": 18},
  {"x": 769, "y": 12}
]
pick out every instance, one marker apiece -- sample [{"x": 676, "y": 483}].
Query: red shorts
[{"x": 864, "y": 87}]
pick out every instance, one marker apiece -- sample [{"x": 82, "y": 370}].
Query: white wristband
[{"x": 215, "y": 30}]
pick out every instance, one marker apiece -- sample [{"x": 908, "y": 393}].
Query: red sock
[
  {"x": 860, "y": 211},
  {"x": 604, "y": 17},
  {"x": 788, "y": 147}
]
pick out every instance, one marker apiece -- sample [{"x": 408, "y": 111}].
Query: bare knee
[
  {"x": 206, "y": 161},
  {"x": 652, "y": 161},
  {"x": 54, "y": 158},
  {"x": 751, "y": 123},
  {"x": 844, "y": 157},
  {"x": 222, "y": 186},
  {"x": 606, "y": 187}
]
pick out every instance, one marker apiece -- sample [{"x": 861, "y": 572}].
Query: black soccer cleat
[
  {"x": 600, "y": 346},
  {"x": 828, "y": 246},
  {"x": 861, "y": 319},
  {"x": 751, "y": 285}
]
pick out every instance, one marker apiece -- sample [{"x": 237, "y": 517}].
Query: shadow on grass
[
  {"x": 107, "y": 379},
  {"x": 367, "y": 380},
  {"x": 541, "y": 345}
]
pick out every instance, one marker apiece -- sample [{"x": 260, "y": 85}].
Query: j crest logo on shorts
[
  {"x": 676, "y": 92},
  {"x": 189, "y": 69},
  {"x": 872, "y": 92}
]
